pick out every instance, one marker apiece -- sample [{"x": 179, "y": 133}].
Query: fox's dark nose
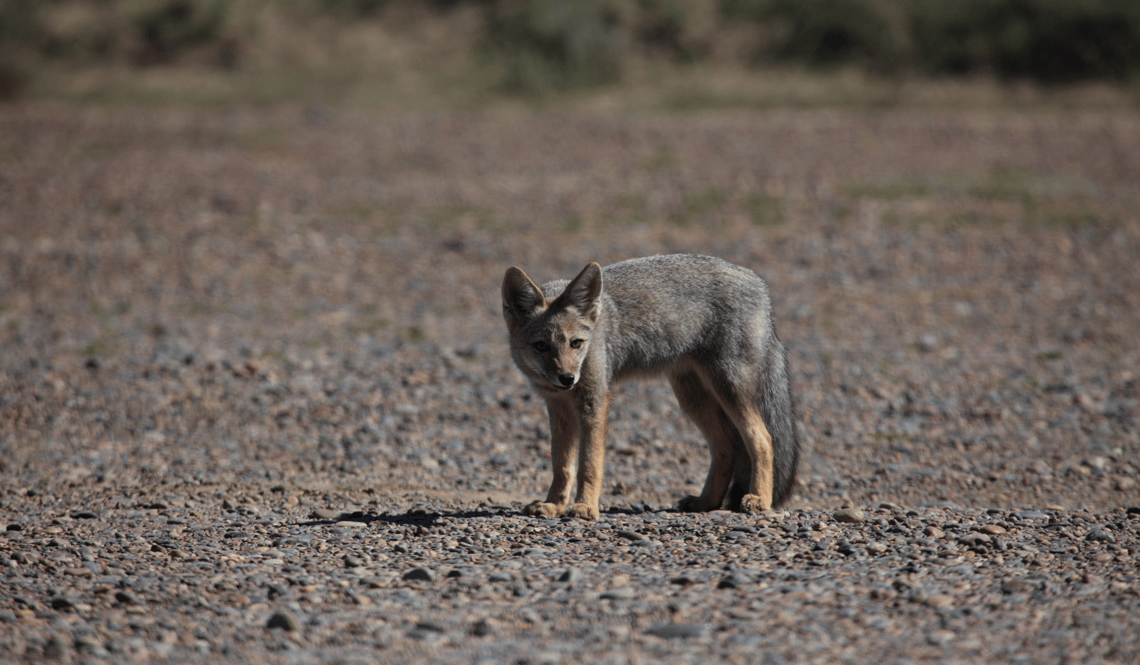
[{"x": 566, "y": 380}]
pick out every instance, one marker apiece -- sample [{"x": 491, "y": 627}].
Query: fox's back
[{"x": 661, "y": 309}]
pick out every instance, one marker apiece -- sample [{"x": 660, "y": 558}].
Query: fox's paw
[
  {"x": 542, "y": 509},
  {"x": 692, "y": 504},
  {"x": 754, "y": 503},
  {"x": 582, "y": 510}
]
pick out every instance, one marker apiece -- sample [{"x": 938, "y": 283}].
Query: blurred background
[{"x": 461, "y": 52}]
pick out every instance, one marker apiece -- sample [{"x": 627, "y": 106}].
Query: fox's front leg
[
  {"x": 593, "y": 420},
  {"x": 563, "y": 458}
]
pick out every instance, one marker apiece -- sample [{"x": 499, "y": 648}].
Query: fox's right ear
[{"x": 521, "y": 296}]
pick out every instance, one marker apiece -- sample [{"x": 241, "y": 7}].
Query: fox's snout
[{"x": 567, "y": 380}]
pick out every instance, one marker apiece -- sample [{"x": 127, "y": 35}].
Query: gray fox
[{"x": 704, "y": 323}]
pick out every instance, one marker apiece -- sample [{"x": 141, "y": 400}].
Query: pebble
[
  {"x": 621, "y": 593},
  {"x": 271, "y": 425},
  {"x": 571, "y": 576},
  {"x": 850, "y": 515},
  {"x": 419, "y": 574},
  {"x": 678, "y": 631},
  {"x": 283, "y": 620}
]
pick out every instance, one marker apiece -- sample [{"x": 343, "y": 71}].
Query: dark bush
[
  {"x": 556, "y": 45},
  {"x": 177, "y": 26},
  {"x": 833, "y": 32},
  {"x": 1047, "y": 40}
]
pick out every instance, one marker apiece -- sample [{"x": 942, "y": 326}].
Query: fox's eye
[
  {"x": 541, "y": 347},
  {"x": 576, "y": 344}
]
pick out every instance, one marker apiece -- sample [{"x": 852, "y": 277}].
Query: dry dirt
[{"x": 256, "y": 405}]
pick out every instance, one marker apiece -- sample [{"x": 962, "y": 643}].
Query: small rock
[
  {"x": 850, "y": 515},
  {"x": 1021, "y": 585},
  {"x": 482, "y": 628},
  {"x": 632, "y": 535},
  {"x": 426, "y": 635},
  {"x": 62, "y": 604},
  {"x": 570, "y": 576},
  {"x": 56, "y": 648},
  {"x": 419, "y": 574},
  {"x": 939, "y": 600},
  {"x": 992, "y": 529},
  {"x": 430, "y": 626},
  {"x": 678, "y": 631},
  {"x": 1100, "y": 536},
  {"x": 974, "y": 539},
  {"x": 623, "y": 593},
  {"x": 283, "y": 620},
  {"x": 733, "y": 581},
  {"x": 89, "y": 645},
  {"x": 325, "y": 514}
]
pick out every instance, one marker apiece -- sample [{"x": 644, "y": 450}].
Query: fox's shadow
[{"x": 423, "y": 518}]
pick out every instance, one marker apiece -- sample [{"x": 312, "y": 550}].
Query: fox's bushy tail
[{"x": 777, "y": 407}]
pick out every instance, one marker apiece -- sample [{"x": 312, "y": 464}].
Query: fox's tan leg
[
  {"x": 704, "y": 410},
  {"x": 592, "y": 457},
  {"x": 563, "y": 459},
  {"x": 758, "y": 443}
]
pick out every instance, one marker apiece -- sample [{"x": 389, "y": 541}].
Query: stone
[
  {"x": 419, "y": 574},
  {"x": 283, "y": 620},
  {"x": 678, "y": 631},
  {"x": 850, "y": 515}
]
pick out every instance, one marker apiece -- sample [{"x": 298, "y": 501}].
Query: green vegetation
[
  {"x": 699, "y": 204},
  {"x": 263, "y": 50},
  {"x": 993, "y": 197},
  {"x": 765, "y": 210},
  {"x": 889, "y": 190}
]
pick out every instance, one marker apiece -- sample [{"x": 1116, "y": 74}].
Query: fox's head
[{"x": 550, "y": 340}]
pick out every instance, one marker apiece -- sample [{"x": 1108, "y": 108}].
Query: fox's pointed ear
[
  {"x": 584, "y": 290},
  {"x": 521, "y": 296}
]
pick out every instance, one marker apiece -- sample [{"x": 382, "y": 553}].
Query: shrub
[
  {"x": 1046, "y": 40},
  {"x": 555, "y": 45}
]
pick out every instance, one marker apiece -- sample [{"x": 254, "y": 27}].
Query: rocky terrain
[{"x": 256, "y": 405}]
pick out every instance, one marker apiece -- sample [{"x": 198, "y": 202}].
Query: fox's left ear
[{"x": 584, "y": 290}]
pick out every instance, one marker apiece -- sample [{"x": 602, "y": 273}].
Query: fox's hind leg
[
  {"x": 758, "y": 443},
  {"x": 738, "y": 404},
  {"x": 705, "y": 411}
]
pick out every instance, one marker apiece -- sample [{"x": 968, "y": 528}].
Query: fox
[{"x": 703, "y": 323}]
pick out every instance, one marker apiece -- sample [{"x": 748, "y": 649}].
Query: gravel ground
[{"x": 256, "y": 404}]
